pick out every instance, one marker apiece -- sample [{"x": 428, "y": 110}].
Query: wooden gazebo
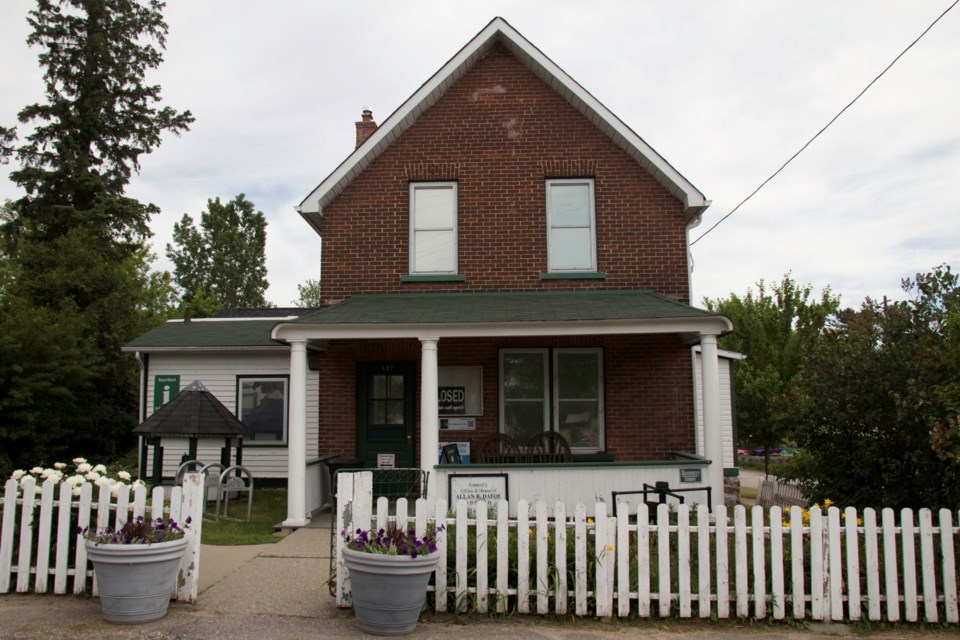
[{"x": 193, "y": 413}]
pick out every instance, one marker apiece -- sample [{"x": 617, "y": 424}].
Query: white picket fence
[
  {"x": 689, "y": 562},
  {"x": 44, "y": 531}
]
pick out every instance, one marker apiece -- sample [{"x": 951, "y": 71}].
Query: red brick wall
[
  {"x": 500, "y": 132},
  {"x": 647, "y": 389}
]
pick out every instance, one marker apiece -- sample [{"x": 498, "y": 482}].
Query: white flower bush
[{"x": 82, "y": 472}]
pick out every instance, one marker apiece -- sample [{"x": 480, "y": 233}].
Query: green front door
[{"x": 385, "y": 412}]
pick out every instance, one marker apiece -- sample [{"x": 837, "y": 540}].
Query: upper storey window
[
  {"x": 433, "y": 228},
  {"x": 571, "y": 226}
]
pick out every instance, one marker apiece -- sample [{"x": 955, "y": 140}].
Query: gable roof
[
  {"x": 498, "y": 30},
  {"x": 208, "y": 334}
]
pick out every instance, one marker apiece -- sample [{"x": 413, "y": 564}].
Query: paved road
[{"x": 27, "y": 617}]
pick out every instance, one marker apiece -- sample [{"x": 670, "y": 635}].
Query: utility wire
[{"x": 832, "y": 120}]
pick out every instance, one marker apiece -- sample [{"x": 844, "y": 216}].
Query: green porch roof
[
  {"x": 512, "y": 307},
  {"x": 207, "y": 334}
]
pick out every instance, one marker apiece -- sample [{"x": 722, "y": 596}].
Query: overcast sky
[{"x": 725, "y": 91}]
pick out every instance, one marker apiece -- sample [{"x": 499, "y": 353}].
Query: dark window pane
[
  {"x": 579, "y": 422},
  {"x": 394, "y": 411},
  {"x": 379, "y": 384},
  {"x": 523, "y": 375},
  {"x": 523, "y": 420},
  {"x": 396, "y": 387},
  {"x": 579, "y": 375}
]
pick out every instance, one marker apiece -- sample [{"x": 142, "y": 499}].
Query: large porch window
[{"x": 553, "y": 390}]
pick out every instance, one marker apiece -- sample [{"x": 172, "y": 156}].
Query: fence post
[
  {"x": 191, "y": 507},
  {"x": 6, "y": 533},
  {"x": 949, "y": 568},
  {"x": 344, "y": 515}
]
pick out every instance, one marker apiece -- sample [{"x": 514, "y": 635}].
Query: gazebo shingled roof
[{"x": 193, "y": 413}]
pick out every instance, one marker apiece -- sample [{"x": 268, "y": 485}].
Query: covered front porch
[{"x": 643, "y": 340}]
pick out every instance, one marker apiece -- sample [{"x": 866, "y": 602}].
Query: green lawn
[{"x": 269, "y": 508}]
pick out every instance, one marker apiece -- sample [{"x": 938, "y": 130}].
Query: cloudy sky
[{"x": 725, "y": 91}]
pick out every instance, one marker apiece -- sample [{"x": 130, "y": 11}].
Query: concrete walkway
[{"x": 278, "y": 592}]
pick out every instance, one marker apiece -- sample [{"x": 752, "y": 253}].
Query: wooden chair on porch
[
  {"x": 498, "y": 449},
  {"x": 549, "y": 446}
]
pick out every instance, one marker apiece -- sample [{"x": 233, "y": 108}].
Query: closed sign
[{"x": 452, "y": 400}]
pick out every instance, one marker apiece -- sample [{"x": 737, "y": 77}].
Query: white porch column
[
  {"x": 297, "y": 438},
  {"x": 429, "y": 413},
  {"x": 712, "y": 436}
]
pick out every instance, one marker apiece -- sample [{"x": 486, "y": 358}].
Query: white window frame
[
  {"x": 555, "y": 392},
  {"x": 588, "y": 182},
  {"x": 414, "y": 187},
  {"x": 551, "y": 394},
  {"x": 241, "y": 378},
  {"x": 546, "y": 386}
]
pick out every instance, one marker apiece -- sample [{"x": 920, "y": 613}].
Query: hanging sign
[{"x": 386, "y": 460}]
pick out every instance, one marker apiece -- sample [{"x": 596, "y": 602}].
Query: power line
[{"x": 832, "y": 120}]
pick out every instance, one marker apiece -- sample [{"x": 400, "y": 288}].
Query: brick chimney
[{"x": 366, "y": 126}]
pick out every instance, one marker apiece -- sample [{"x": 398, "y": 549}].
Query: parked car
[
  {"x": 774, "y": 451},
  {"x": 742, "y": 452}
]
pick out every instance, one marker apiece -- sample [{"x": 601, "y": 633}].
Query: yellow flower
[
  {"x": 827, "y": 502},
  {"x": 610, "y": 547},
  {"x": 589, "y": 520}
]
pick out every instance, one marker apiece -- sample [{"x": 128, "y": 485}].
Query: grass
[
  {"x": 269, "y": 508},
  {"x": 750, "y": 493}
]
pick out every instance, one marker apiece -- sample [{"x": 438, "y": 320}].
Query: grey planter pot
[
  {"x": 388, "y": 591},
  {"x": 135, "y": 581}
]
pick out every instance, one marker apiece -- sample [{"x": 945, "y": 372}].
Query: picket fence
[
  {"x": 48, "y": 527},
  {"x": 697, "y": 562}
]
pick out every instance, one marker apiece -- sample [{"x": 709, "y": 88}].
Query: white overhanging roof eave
[
  {"x": 712, "y": 325},
  {"x": 498, "y": 29}
]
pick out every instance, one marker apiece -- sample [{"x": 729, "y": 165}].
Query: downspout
[
  {"x": 142, "y": 414},
  {"x": 692, "y": 223}
]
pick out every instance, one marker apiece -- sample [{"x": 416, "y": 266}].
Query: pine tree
[{"x": 75, "y": 243}]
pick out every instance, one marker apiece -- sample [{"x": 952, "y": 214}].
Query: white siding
[
  {"x": 218, "y": 372},
  {"x": 726, "y": 408}
]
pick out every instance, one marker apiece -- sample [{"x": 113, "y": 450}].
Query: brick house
[{"x": 503, "y": 255}]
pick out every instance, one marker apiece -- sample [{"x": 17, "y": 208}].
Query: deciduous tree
[
  {"x": 224, "y": 259},
  {"x": 882, "y": 398},
  {"x": 773, "y": 327},
  {"x": 310, "y": 295}
]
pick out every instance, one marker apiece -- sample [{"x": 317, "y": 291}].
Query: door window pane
[{"x": 386, "y": 399}]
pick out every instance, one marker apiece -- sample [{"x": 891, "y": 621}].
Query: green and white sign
[
  {"x": 164, "y": 390},
  {"x": 690, "y": 475}
]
